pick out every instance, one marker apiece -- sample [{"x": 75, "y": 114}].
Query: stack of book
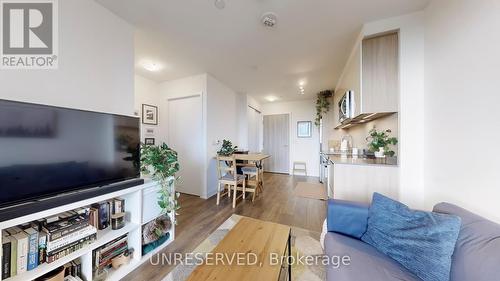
[
  {"x": 103, "y": 256},
  {"x": 20, "y": 250},
  {"x": 69, "y": 233},
  {"x": 101, "y": 213},
  {"x": 26, "y": 246}
]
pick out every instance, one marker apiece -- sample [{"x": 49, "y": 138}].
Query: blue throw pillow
[{"x": 423, "y": 242}]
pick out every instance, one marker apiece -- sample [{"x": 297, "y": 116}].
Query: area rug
[
  {"x": 311, "y": 190},
  {"x": 304, "y": 243}
]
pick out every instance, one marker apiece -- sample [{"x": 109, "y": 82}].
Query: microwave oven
[{"x": 346, "y": 106}]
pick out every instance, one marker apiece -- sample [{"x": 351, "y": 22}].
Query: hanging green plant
[{"x": 322, "y": 105}]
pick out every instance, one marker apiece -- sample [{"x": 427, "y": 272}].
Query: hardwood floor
[{"x": 198, "y": 218}]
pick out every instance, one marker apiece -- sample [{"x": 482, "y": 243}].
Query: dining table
[{"x": 256, "y": 159}]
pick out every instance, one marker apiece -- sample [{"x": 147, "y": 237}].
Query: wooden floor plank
[{"x": 198, "y": 218}]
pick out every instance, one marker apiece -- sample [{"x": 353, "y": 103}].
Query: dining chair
[
  {"x": 251, "y": 174},
  {"x": 229, "y": 178}
]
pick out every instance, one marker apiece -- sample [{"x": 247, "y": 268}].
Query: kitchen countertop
[{"x": 336, "y": 158}]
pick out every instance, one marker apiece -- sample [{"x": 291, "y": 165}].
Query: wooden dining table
[
  {"x": 252, "y": 157},
  {"x": 255, "y": 158}
]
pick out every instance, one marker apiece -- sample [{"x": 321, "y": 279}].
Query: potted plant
[
  {"x": 161, "y": 163},
  {"x": 378, "y": 142},
  {"x": 227, "y": 148}
]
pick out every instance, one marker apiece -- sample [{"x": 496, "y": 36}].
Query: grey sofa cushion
[
  {"x": 367, "y": 264},
  {"x": 477, "y": 252}
]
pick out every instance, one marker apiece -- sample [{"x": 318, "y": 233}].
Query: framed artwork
[
  {"x": 149, "y": 114},
  {"x": 149, "y": 141},
  {"x": 304, "y": 129}
]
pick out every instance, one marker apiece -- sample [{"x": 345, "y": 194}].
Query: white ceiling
[{"x": 311, "y": 41}]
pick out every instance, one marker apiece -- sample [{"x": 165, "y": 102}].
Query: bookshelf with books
[{"x": 39, "y": 243}]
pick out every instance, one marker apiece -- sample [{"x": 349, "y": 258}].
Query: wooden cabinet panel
[
  {"x": 359, "y": 182},
  {"x": 380, "y": 75}
]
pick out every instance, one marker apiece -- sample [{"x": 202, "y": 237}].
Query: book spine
[
  {"x": 112, "y": 253},
  {"x": 6, "y": 250},
  {"x": 32, "y": 250},
  {"x": 51, "y": 257},
  {"x": 42, "y": 247},
  {"x": 68, "y": 239},
  {"x": 22, "y": 255},
  {"x": 13, "y": 257}
]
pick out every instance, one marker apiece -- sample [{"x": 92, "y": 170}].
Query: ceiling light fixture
[
  {"x": 220, "y": 4},
  {"x": 271, "y": 98},
  {"x": 151, "y": 66},
  {"x": 301, "y": 86}
]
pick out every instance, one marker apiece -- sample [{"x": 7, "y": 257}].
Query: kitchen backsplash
[{"x": 360, "y": 132}]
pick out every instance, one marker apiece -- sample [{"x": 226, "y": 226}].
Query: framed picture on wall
[
  {"x": 149, "y": 141},
  {"x": 149, "y": 114},
  {"x": 304, "y": 129}
]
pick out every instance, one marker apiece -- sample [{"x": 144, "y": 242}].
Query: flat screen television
[{"x": 47, "y": 151}]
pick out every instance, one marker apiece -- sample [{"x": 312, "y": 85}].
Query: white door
[
  {"x": 185, "y": 119},
  {"x": 276, "y": 143}
]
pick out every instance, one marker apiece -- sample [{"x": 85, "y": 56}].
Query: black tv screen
[{"x": 46, "y": 151}]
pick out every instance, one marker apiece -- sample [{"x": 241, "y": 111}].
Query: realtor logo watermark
[{"x": 29, "y": 34}]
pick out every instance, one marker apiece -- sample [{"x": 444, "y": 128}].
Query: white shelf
[
  {"x": 118, "y": 274},
  {"x": 103, "y": 237},
  {"x": 135, "y": 200},
  {"x": 115, "y": 275}
]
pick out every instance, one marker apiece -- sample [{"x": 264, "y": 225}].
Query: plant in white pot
[
  {"x": 379, "y": 142},
  {"x": 161, "y": 163}
]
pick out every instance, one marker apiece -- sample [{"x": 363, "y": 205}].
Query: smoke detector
[{"x": 269, "y": 19}]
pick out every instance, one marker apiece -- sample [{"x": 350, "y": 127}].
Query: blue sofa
[{"x": 476, "y": 256}]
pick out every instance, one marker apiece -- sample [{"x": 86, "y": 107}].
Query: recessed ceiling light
[
  {"x": 302, "y": 83},
  {"x": 271, "y": 98},
  {"x": 220, "y": 4},
  {"x": 151, "y": 66}
]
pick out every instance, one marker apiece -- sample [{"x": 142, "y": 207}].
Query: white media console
[{"x": 141, "y": 207}]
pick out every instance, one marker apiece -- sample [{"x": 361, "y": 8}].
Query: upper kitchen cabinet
[
  {"x": 372, "y": 77},
  {"x": 380, "y": 79}
]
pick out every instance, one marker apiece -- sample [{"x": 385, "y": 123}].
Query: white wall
[
  {"x": 96, "y": 64},
  {"x": 301, "y": 149},
  {"x": 220, "y": 118},
  {"x": 249, "y": 123},
  {"x": 185, "y": 87},
  {"x": 411, "y": 102},
  {"x": 461, "y": 104},
  {"x": 222, "y": 123},
  {"x": 148, "y": 92}
]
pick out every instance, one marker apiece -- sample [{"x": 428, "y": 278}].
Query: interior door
[
  {"x": 185, "y": 119},
  {"x": 277, "y": 142}
]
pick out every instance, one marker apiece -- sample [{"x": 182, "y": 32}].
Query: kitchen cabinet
[
  {"x": 372, "y": 73},
  {"x": 380, "y": 83},
  {"x": 359, "y": 182}
]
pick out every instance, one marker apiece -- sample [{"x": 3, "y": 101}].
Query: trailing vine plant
[
  {"x": 322, "y": 105},
  {"x": 161, "y": 163}
]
